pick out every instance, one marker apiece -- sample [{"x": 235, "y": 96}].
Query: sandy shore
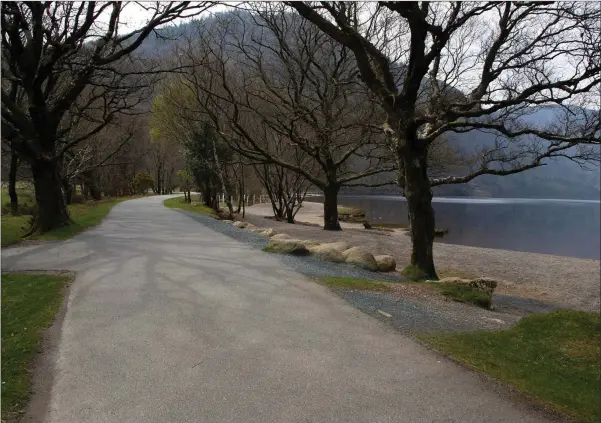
[{"x": 570, "y": 282}]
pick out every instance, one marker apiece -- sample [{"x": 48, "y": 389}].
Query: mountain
[{"x": 558, "y": 178}]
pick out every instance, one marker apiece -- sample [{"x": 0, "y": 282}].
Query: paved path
[{"x": 169, "y": 321}]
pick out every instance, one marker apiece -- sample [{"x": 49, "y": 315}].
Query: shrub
[
  {"x": 414, "y": 273},
  {"x": 142, "y": 182},
  {"x": 77, "y": 199}
]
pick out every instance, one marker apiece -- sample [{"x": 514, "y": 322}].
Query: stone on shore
[
  {"x": 327, "y": 252},
  {"x": 287, "y": 246},
  {"x": 359, "y": 257},
  {"x": 386, "y": 263},
  {"x": 269, "y": 232},
  {"x": 281, "y": 236},
  {"x": 239, "y": 224}
]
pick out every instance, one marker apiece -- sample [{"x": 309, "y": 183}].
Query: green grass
[
  {"x": 83, "y": 217},
  {"x": 351, "y": 211},
  {"x": 179, "y": 203},
  {"x": 29, "y": 304},
  {"x": 449, "y": 273},
  {"x": 464, "y": 294},
  {"x": 352, "y": 283},
  {"x": 25, "y": 195},
  {"x": 553, "y": 357},
  {"x": 11, "y": 228},
  {"x": 414, "y": 273}
]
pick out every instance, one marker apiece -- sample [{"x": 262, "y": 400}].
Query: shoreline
[{"x": 566, "y": 281}]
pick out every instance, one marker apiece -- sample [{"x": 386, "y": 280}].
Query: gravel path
[
  {"x": 307, "y": 265},
  {"x": 566, "y": 281},
  {"x": 168, "y": 320},
  {"x": 408, "y": 314}
]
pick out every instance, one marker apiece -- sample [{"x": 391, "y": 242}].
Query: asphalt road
[{"x": 170, "y": 321}]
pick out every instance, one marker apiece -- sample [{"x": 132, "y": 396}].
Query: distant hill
[{"x": 559, "y": 178}]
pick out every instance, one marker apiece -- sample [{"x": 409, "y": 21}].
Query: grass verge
[
  {"x": 464, "y": 294},
  {"x": 29, "y": 304},
  {"x": 552, "y": 357},
  {"x": 414, "y": 273},
  {"x": 83, "y": 217},
  {"x": 352, "y": 283},
  {"x": 460, "y": 293},
  {"x": 196, "y": 207}
]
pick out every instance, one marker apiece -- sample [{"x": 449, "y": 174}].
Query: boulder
[
  {"x": 281, "y": 236},
  {"x": 340, "y": 246},
  {"x": 288, "y": 246},
  {"x": 269, "y": 232},
  {"x": 359, "y": 257},
  {"x": 228, "y": 221},
  {"x": 385, "y": 263},
  {"x": 327, "y": 252},
  {"x": 239, "y": 224},
  {"x": 309, "y": 243}
]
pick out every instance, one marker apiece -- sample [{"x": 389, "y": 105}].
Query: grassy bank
[
  {"x": 460, "y": 293},
  {"x": 195, "y": 206},
  {"x": 29, "y": 304},
  {"x": 83, "y": 217},
  {"x": 553, "y": 357}
]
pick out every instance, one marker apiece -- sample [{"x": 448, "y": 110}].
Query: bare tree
[
  {"x": 63, "y": 54},
  {"x": 508, "y": 60},
  {"x": 269, "y": 74}
]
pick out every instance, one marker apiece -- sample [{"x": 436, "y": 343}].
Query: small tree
[
  {"x": 185, "y": 180},
  {"x": 142, "y": 182}
]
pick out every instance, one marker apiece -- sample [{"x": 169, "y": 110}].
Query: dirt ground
[{"x": 566, "y": 281}]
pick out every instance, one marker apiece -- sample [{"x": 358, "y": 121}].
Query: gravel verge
[
  {"x": 566, "y": 281},
  {"x": 306, "y": 265},
  {"x": 413, "y": 314}
]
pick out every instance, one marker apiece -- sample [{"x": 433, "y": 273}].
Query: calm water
[{"x": 561, "y": 227}]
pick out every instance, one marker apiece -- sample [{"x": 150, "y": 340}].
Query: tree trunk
[
  {"x": 421, "y": 213},
  {"x": 91, "y": 186},
  {"x": 52, "y": 212},
  {"x": 12, "y": 183},
  {"x": 330, "y": 208},
  {"x": 290, "y": 215},
  {"x": 68, "y": 191}
]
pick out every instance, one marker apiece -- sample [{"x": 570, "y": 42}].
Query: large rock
[
  {"x": 484, "y": 284},
  {"x": 359, "y": 257},
  {"x": 327, "y": 252},
  {"x": 385, "y": 263},
  {"x": 239, "y": 224},
  {"x": 281, "y": 236},
  {"x": 288, "y": 246},
  {"x": 340, "y": 246},
  {"x": 310, "y": 243},
  {"x": 227, "y": 221},
  {"x": 269, "y": 232}
]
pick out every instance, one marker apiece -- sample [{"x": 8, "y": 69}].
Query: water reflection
[{"x": 561, "y": 227}]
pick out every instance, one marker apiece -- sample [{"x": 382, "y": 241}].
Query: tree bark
[
  {"x": 330, "y": 208},
  {"x": 68, "y": 191},
  {"x": 421, "y": 213},
  {"x": 91, "y": 187},
  {"x": 12, "y": 183},
  {"x": 52, "y": 212}
]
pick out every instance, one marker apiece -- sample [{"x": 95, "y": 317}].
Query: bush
[
  {"x": 142, "y": 182},
  {"x": 77, "y": 199},
  {"x": 414, "y": 273}
]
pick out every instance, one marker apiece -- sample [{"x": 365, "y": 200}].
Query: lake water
[{"x": 561, "y": 227}]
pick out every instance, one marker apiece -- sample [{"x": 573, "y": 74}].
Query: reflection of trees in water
[{"x": 570, "y": 229}]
